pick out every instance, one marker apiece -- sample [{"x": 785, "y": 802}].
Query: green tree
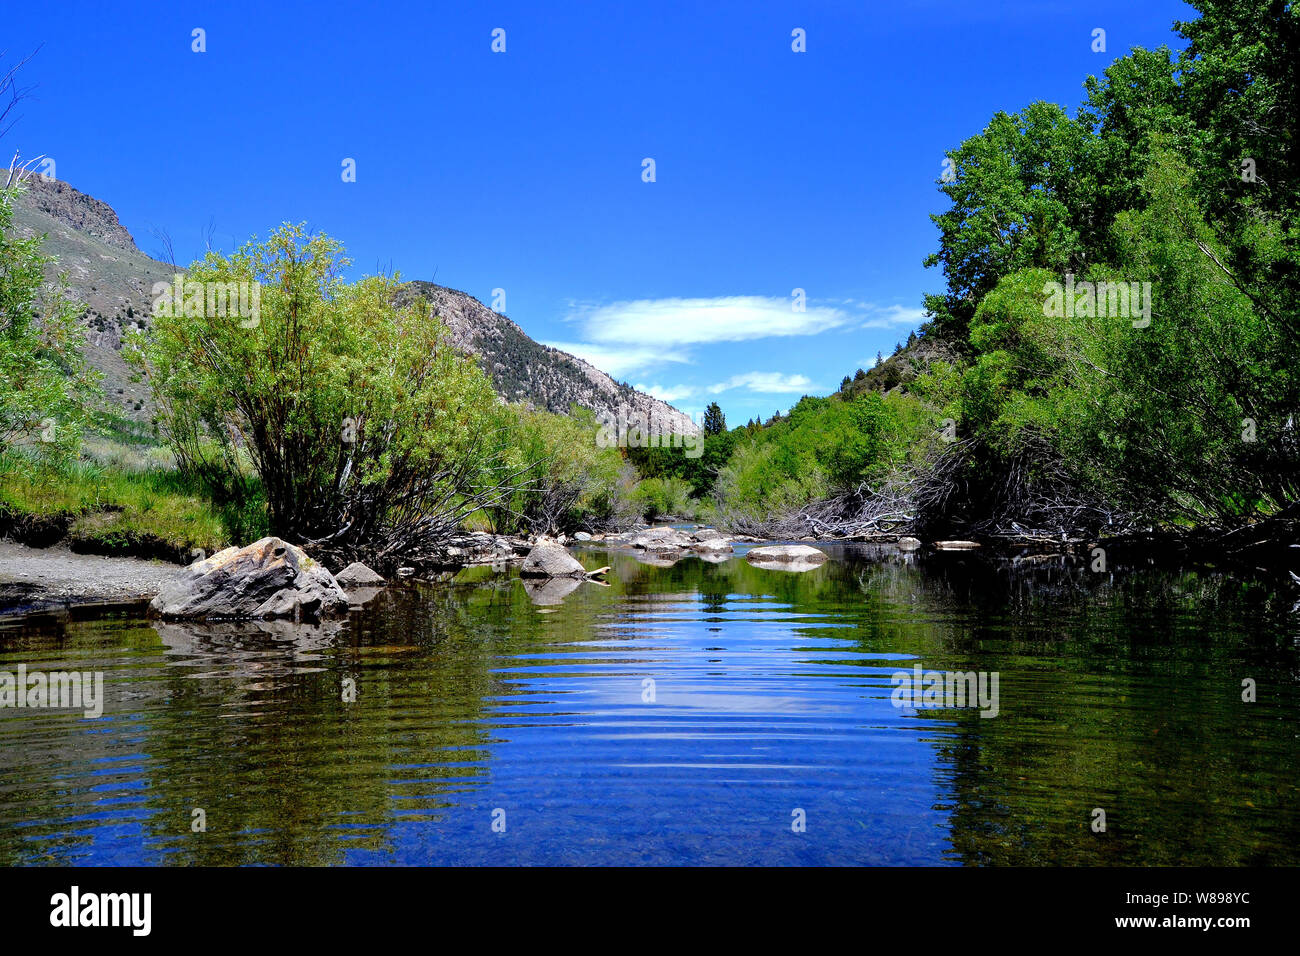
[
  {"x": 47, "y": 390},
  {"x": 370, "y": 432},
  {"x": 715, "y": 423}
]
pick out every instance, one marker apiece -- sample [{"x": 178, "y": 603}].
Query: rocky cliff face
[
  {"x": 523, "y": 370},
  {"x": 108, "y": 272}
]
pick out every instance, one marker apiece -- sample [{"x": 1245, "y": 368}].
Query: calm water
[{"x": 478, "y": 700}]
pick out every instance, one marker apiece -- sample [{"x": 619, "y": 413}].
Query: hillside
[{"x": 106, "y": 270}]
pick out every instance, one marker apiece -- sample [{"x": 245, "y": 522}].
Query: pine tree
[{"x": 715, "y": 423}]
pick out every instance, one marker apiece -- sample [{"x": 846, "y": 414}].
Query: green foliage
[
  {"x": 1178, "y": 171},
  {"x": 664, "y": 497},
  {"x": 715, "y": 423},
  {"x": 363, "y": 422},
  {"x": 561, "y": 479},
  {"x": 47, "y": 391},
  {"x": 700, "y": 470},
  {"x": 153, "y": 512},
  {"x": 825, "y": 445}
]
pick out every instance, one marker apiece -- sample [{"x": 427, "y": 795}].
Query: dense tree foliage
[
  {"x": 370, "y": 433},
  {"x": 1176, "y": 177},
  {"x": 46, "y": 386}
]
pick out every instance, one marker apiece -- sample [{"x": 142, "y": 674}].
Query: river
[{"x": 696, "y": 713}]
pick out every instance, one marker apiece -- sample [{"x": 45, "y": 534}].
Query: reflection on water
[{"x": 682, "y": 714}]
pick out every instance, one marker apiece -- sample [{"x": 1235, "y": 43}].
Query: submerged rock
[
  {"x": 267, "y": 579},
  {"x": 357, "y": 575},
  {"x": 551, "y": 560},
  {"x": 785, "y": 554}
]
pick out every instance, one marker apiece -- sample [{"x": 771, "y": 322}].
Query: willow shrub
[{"x": 371, "y": 434}]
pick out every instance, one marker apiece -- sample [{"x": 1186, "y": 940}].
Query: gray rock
[
  {"x": 550, "y": 560},
  {"x": 663, "y": 539},
  {"x": 357, "y": 575},
  {"x": 785, "y": 554},
  {"x": 582, "y": 536},
  {"x": 909, "y": 544},
  {"x": 267, "y": 579},
  {"x": 712, "y": 546}
]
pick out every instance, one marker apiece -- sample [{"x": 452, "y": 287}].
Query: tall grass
[{"x": 111, "y": 509}]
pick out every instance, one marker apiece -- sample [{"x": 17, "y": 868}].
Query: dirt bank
[{"x": 32, "y": 578}]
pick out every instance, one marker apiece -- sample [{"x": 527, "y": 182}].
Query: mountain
[{"x": 107, "y": 271}]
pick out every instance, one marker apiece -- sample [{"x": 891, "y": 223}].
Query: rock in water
[
  {"x": 786, "y": 553},
  {"x": 549, "y": 560},
  {"x": 712, "y": 546},
  {"x": 663, "y": 539},
  {"x": 909, "y": 544},
  {"x": 794, "y": 558},
  {"x": 357, "y": 575},
  {"x": 268, "y": 579}
]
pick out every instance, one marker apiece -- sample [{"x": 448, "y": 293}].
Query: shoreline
[
  {"x": 36, "y": 580},
  {"x": 56, "y": 578}
]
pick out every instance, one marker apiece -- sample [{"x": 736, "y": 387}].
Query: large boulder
[
  {"x": 785, "y": 554},
  {"x": 549, "y": 559},
  {"x": 267, "y": 579}
]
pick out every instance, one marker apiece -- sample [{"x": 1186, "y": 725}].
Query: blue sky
[{"x": 523, "y": 170}]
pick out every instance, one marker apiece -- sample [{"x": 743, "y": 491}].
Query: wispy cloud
[
  {"x": 771, "y": 383},
  {"x": 667, "y": 393},
  {"x": 668, "y": 323},
  {"x": 892, "y": 316},
  {"x": 618, "y": 360}
]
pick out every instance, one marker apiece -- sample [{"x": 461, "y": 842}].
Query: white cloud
[
  {"x": 666, "y": 323},
  {"x": 893, "y": 316},
  {"x": 771, "y": 383},
  {"x": 667, "y": 393},
  {"x": 619, "y": 361}
]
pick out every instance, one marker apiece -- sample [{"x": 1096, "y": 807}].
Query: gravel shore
[{"x": 32, "y": 577}]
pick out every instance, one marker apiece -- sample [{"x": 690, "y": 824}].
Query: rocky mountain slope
[{"x": 107, "y": 271}]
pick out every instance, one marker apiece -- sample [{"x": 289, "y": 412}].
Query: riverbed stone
[
  {"x": 909, "y": 544},
  {"x": 712, "y": 546},
  {"x": 267, "y": 579},
  {"x": 785, "y": 554},
  {"x": 357, "y": 575},
  {"x": 549, "y": 559},
  {"x": 663, "y": 539}
]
